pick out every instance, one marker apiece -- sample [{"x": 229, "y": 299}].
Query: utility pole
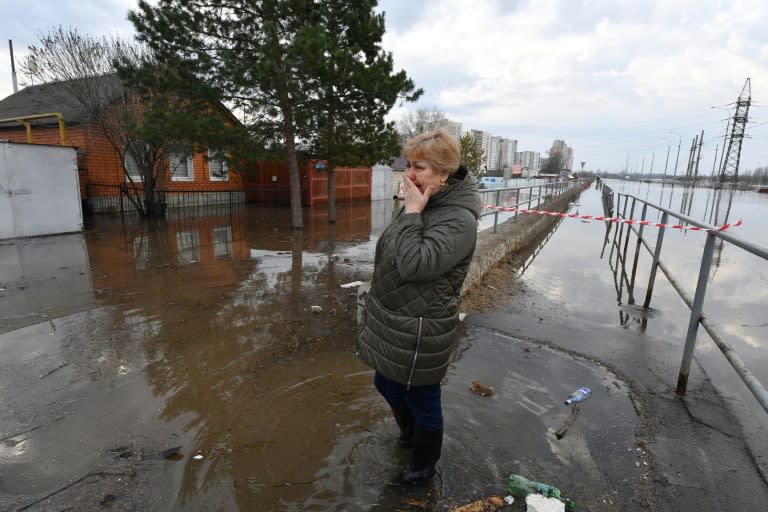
[
  {"x": 691, "y": 158},
  {"x": 730, "y": 169},
  {"x": 13, "y": 68},
  {"x": 677, "y": 159},
  {"x": 725, "y": 139},
  {"x": 698, "y": 158},
  {"x": 666, "y": 163}
]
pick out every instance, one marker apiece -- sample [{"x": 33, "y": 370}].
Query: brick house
[{"x": 49, "y": 114}]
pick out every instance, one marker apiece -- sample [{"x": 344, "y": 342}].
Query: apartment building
[
  {"x": 565, "y": 151},
  {"x": 528, "y": 159},
  {"x": 452, "y": 127},
  {"x": 483, "y": 142},
  {"x": 507, "y": 150}
]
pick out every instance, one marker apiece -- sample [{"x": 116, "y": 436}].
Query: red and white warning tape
[{"x": 618, "y": 220}]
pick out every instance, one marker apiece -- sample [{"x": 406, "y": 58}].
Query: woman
[{"x": 413, "y": 304}]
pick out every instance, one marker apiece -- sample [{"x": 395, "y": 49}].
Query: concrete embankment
[{"x": 514, "y": 235}]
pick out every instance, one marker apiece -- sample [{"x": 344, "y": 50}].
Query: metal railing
[
  {"x": 111, "y": 198},
  {"x": 524, "y": 197},
  {"x": 613, "y": 199}
]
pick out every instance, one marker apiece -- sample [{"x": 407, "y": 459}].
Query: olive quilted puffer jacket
[{"x": 421, "y": 261}]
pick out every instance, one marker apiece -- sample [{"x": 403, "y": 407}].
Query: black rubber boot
[
  {"x": 427, "y": 445},
  {"x": 406, "y": 422}
]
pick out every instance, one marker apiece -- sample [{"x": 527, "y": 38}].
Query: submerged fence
[
  {"x": 112, "y": 199},
  {"x": 616, "y": 205}
]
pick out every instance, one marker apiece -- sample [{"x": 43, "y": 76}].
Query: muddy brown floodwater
[{"x": 206, "y": 363}]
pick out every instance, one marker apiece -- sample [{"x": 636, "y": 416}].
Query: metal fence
[
  {"x": 614, "y": 201},
  {"x": 530, "y": 197},
  {"x": 111, "y": 199}
]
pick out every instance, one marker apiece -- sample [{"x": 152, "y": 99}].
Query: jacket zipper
[{"x": 415, "y": 355}]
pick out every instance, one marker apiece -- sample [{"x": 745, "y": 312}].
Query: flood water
[
  {"x": 229, "y": 335},
  {"x": 585, "y": 275},
  {"x": 179, "y": 333}
]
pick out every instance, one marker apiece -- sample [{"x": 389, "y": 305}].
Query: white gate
[{"x": 39, "y": 190}]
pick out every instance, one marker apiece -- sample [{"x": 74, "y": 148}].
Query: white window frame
[
  {"x": 213, "y": 163},
  {"x": 175, "y": 164},
  {"x": 128, "y": 160}
]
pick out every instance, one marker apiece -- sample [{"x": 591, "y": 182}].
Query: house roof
[
  {"x": 61, "y": 97},
  {"x": 398, "y": 163}
]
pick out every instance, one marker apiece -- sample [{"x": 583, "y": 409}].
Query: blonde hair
[{"x": 439, "y": 148}]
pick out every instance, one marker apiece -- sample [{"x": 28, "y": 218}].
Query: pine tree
[
  {"x": 295, "y": 70},
  {"x": 352, "y": 87}
]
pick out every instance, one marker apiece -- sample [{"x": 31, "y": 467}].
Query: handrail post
[
  {"x": 637, "y": 254},
  {"x": 656, "y": 256},
  {"x": 620, "y": 228},
  {"x": 629, "y": 230},
  {"x": 693, "y": 323}
]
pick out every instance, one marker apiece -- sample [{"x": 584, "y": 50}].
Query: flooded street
[
  {"x": 197, "y": 332},
  {"x": 206, "y": 363},
  {"x": 588, "y": 279}
]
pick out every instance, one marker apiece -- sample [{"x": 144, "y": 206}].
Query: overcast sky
[{"x": 615, "y": 79}]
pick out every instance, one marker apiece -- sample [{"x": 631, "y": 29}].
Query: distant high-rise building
[
  {"x": 528, "y": 159},
  {"x": 452, "y": 127},
  {"x": 507, "y": 150},
  {"x": 565, "y": 152},
  {"x": 483, "y": 143},
  {"x": 494, "y": 150},
  {"x": 569, "y": 159}
]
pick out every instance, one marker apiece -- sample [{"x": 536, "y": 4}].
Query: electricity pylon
[{"x": 730, "y": 169}]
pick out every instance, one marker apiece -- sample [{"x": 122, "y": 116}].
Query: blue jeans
[{"x": 423, "y": 401}]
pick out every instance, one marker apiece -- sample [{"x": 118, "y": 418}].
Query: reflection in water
[
  {"x": 529, "y": 253},
  {"x": 229, "y": 328},
  {"x": 240, "y": 327},
  {"x": 717, "y": 208},
  {"x": 43, "y": 277},
  {"x": 619, "y": 265}
]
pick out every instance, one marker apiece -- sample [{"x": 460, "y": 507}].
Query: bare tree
[
  {"x": 85, "y": 71},
  {"x": 420, "y": 121},
  {"x": 554, "y": 163}
]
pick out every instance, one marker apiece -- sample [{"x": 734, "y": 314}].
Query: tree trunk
[
  {"x": 331, "y": 195},
  {"x": 295, "y": 180}
]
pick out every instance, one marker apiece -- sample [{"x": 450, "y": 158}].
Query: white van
[{"x": 492, "y": 182}]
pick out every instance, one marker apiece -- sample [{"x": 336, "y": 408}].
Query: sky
[{"x": 623, "y": 82}]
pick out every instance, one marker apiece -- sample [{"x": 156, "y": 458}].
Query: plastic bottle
[
  {"x": 579, "y": 395},
  {"x": 520, "y": 487}
]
